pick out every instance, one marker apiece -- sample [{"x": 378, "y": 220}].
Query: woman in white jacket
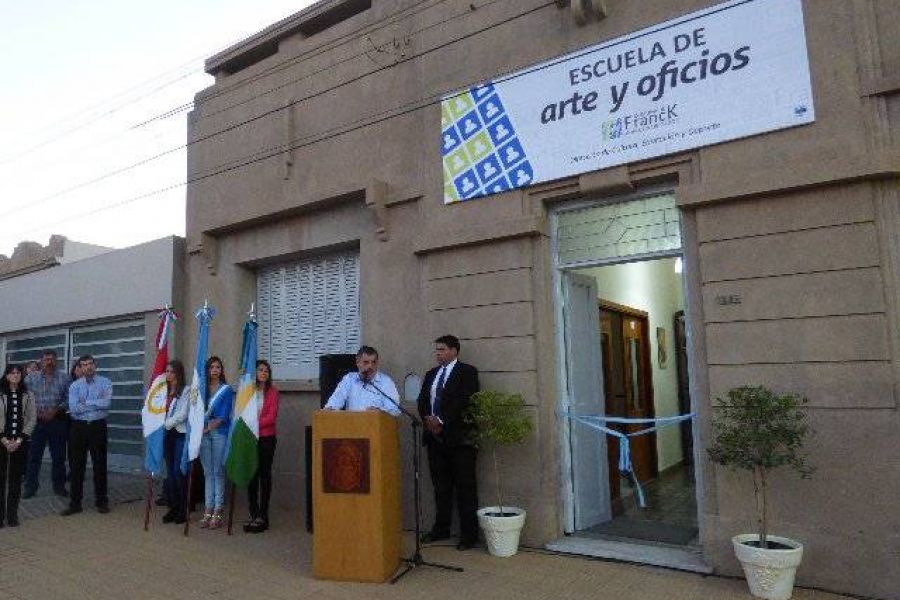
[
  {"x": 177, "y": 401},
  {"x": 17, "y": 420}
]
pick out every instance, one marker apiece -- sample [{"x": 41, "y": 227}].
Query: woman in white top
[
  {"x": 18, "y": 417},
  {"x": 177, "y": 401}
]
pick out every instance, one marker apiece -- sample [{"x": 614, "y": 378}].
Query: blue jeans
[
  {"x": 212, "y": 457},
  {"x": 53, "y": 433}
]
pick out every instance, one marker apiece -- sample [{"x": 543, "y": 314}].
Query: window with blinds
[
  {"x": 308, "y": 308},
  {"x": 21, "y": 350}
]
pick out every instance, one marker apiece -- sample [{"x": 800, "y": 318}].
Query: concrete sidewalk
[
  {"x": 93, "y": 556},
  {"x": 122, "y": 488}
]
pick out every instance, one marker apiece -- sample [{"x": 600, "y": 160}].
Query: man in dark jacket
[{"x": 450, "y": 441}]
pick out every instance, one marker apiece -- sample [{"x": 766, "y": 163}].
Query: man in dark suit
[{"x": 450, "y": 441}]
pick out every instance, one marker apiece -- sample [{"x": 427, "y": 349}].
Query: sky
[{"x": 87, "y": 89}]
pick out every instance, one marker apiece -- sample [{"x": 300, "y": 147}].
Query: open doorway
[{"x": 627, "y": 357}]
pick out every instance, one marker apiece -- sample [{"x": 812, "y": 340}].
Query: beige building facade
[{"x": 318, "y": 194}]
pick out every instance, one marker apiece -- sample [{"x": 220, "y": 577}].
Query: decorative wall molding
[
  {"x": 208, "y": 248},
  {"x": 376, "y": 197},
  {"x": 584, "y": 10},
  {"x": 380, "y": 196},
  {"x": 444, "y": 239}
]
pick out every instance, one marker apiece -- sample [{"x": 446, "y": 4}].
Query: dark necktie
[{"x": 438, "y": 392}]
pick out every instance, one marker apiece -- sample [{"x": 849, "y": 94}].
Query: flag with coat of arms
[
  {"x": 197, "y": 393},
  {"x": 153, "y": 413}
]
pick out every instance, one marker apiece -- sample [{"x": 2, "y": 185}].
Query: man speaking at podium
[
  {"x": 367, "y": 389},
  {"x": 449, "y": 438}
]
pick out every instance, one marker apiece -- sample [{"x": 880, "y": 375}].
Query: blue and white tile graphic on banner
[{"x": 482, "y": 153}]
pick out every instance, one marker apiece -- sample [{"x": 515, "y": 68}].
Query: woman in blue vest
[{"x": 219, "y": 404}]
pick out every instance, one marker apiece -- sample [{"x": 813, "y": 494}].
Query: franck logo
[{"x": 612, "y": 129}]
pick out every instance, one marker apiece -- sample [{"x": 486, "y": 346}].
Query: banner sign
[{"x": 730, "y": 71}]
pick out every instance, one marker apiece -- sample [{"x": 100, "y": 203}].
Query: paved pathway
[
  {"x": 122, "y": 489},
  {"x": 93, "y": 556}
]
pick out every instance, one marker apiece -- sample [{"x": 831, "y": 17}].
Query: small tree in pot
[
  {"x": 757, "y": 430},
  {"x": 500, "y": 420}
]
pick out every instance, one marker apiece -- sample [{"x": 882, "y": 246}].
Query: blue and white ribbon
[{"x": 599, "y": 423}]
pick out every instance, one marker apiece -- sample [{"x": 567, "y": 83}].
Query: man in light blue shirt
[
  {"x": 367, "y": 389},
  {"x": 89, "y": 401}
]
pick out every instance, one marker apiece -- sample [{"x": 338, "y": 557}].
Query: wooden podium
[{"x": 356, "y": 496}]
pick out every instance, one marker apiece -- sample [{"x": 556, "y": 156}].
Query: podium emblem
[{"x": 345, "y": 467}]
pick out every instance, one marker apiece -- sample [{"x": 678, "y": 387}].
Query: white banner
[{"x": 730, "y": 71}]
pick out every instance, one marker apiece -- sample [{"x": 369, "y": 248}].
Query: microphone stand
[{"x": 416, "y": 560}]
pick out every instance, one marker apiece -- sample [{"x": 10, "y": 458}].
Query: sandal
[
  {"x": 216, "y": 521},
  {"x": 206, "y": 520}
]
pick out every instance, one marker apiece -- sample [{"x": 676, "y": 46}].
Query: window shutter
[
  {"x": 264, "y": 311},
  {"x": 119, "y": 350},
  {"x": 308, "y": 308}
]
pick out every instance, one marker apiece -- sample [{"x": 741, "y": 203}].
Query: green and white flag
[{"x": 241, "y": 461}]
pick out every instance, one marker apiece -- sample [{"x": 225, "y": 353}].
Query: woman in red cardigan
[{"x": 260, "y": 489}]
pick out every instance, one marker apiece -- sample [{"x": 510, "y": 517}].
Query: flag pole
[
  {"x": 148, "y": 502},
  {"x": 187, "y": 501},
  {"x": 231, "y": 509}
]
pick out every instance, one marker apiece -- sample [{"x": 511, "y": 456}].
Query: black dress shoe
[
  {"x": 72, "y": 510},
  {"x": 13, "y": 521},
  {"x": 169, "y": 517},
  {"x": 256, "y": 526},
  {"x": 103, "y": 508},
  {"x": 179, "y": 519},
  {"x": 432, "y": 536}
]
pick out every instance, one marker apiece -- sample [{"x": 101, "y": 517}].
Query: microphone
[{"x": 403, "y": 410}]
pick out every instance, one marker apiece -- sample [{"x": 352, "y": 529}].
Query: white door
[{"x": 584, "y": 389}]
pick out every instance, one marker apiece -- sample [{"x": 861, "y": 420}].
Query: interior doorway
[
  {"x": 628, "y": 390},
  {"x": 638, "y": 371}
]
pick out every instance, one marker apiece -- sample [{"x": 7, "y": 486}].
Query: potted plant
[
  {"x": 500, "y": 420},
  {"x": 757, "y": 430}
]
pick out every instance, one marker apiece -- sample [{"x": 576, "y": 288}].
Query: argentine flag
[
  {"x": 153, "y": 413},
  {"x": 242, "y": 458},
  {"x": 197, "y": 408}
]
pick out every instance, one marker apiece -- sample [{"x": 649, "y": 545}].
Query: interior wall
[{"x": 654, "y": 287}]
